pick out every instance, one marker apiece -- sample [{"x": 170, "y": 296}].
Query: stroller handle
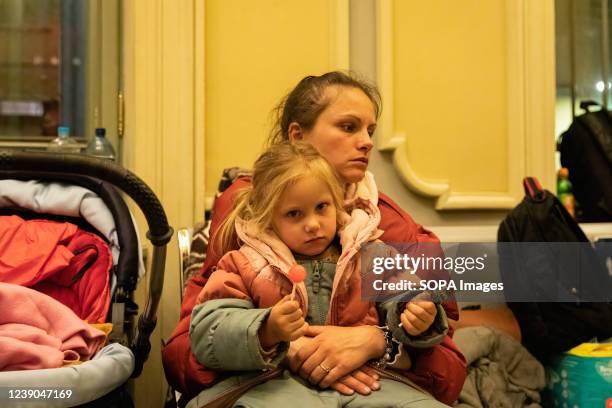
[{"x": 160, "y": 233}]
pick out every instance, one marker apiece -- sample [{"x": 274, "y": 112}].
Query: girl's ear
[{"x": 294, "y": 132}]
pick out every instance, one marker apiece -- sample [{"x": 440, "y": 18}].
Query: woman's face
[{"x": 343, "y": 131}]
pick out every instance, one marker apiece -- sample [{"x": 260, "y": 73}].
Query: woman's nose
[{"x": 364, "y": 142}]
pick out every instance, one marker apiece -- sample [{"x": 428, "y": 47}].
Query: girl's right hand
[{"x": 285, "y": 323}]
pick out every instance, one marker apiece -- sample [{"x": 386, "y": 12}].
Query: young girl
[{"x": 293, "y": 212}]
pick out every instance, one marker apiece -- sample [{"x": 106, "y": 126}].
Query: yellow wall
[
  {"x": 451, "y": 97},
  {"x": 255, "y": 52},
  {"x": 469, "y": 93}
]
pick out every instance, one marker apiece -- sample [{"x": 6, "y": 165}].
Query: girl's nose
[{"x": 312, "y": 224}]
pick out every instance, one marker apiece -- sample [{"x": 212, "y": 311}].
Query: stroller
[{"x": 100, "y": 382}]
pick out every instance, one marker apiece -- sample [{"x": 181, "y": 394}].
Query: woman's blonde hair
[{"x": 279, "y": 167}]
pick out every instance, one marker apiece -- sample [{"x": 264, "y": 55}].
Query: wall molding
[
  {"x": 488, "y": 233},
  {"x": 199, "y": 150},
  {"x": 530, "y": 104},
  {"x": 339, "y": 34},
  {"x": 163, "y": 143}
]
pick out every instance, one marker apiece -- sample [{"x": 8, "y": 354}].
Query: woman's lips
[{"x": 362, "y": 160}]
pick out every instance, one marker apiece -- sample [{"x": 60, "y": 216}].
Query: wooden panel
[
  {"x": 460, "y": 116},
  {"x": 163, "y": 132}
]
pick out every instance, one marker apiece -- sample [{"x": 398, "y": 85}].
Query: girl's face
[
  {"x": 343, "y": 132},
  {"x": 305, "y": 218}
]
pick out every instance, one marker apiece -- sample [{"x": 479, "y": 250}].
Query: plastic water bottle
[
  {"x": 564, "y": 191},
  {"x": 100, "y": 146},
  {"x": 63, "y": 143}
]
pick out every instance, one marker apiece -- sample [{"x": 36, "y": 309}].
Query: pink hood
[{"x": 361, "y": 226}]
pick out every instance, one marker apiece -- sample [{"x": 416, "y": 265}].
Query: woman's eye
[{"x": 348, "y": 127}]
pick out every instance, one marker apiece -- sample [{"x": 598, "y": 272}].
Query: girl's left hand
[{"x": 418, "y": 316}]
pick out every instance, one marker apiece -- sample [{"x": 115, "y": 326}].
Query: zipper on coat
[{"x": 316, "y": 276}]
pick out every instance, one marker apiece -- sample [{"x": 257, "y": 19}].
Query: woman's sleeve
[
  {"x": 441, "y": 369},
  {"x": 182, "y": 369}
]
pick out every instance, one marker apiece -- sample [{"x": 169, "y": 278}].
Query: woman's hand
[
  {"x": 418, "y": 316},
  {"x": 335, "y": 352},
  {"x": 363, "y": 380}
]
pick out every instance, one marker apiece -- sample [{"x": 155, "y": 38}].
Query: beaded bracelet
[{"x": 391, "y": 348}]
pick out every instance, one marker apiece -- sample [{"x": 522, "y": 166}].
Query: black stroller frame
[{"x": 88, "y": 172}]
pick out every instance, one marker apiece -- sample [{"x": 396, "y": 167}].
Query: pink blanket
[{"x": 37, "y": 331}]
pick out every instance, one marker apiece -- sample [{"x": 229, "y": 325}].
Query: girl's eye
[
  {"x": 322, "y": 206},
  {"x": 293, "y": 214},
  {"x": 371, "y": 132}
]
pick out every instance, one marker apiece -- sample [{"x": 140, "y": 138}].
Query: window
[
  {"x": 582, "y": 57},
  {"x": 59, "y": 65}
]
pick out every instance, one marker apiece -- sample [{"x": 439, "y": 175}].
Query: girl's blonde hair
[{"x": 279, "y": 167}]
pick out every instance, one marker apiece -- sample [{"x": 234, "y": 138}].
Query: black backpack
[
  {"x": 586, "y": 150},
  {"x": 550, "y": 328}
]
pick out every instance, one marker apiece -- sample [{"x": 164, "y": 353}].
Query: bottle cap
[
  {"x": 563, "y": 172},
  {"x": 63, "y": 131},
  {"x": 100, "y": 132}
]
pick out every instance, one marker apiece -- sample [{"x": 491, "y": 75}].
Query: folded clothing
[
  {"x": 37, "y": 331},
  {"x": 501, "y": 372}
]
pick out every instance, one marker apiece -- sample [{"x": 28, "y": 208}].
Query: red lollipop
[{"x": 297, "y": 274}]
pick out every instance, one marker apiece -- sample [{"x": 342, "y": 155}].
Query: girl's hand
[
  {"x": 285, "y": 323},
  {"x": 418, "y": 316}
]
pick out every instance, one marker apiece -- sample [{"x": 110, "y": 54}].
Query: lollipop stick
[
  {"x": 296, "y": 274},
  {"x": 292, "y": 292}
]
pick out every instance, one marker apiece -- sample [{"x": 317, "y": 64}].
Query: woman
[{"x": 337, "y": 114}]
